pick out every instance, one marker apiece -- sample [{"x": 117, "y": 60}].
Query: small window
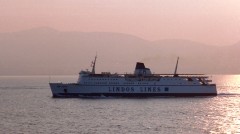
[
  {"x": 65, "y": 90},
  {"x": 166, "y": 89}
]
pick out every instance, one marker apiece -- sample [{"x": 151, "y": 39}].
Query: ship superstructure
[{"x": 142, "y": 83}]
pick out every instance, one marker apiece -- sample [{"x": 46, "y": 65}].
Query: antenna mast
[
  {"x": 94, "y": 64},
  {"x": 175, "y": 72}
]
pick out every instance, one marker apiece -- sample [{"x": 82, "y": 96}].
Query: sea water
[{"x": 27, "y": 106}]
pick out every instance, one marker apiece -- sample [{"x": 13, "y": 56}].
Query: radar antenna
[
  {"x": 93, "y": 65},
  {"x": 175, "y": 72}
]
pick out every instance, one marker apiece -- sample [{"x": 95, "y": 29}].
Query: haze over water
[
  {"x": 27, "y": 107},
  {"x": 210, "y": 22},
  {"x": 62, "y": 36}
]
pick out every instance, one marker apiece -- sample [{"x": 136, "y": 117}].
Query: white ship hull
[
  {"x": 77, "y": 90},
  {"x": 142, "y": 83}
]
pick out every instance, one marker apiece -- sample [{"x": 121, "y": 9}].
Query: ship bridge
[{"x": 141, "y": 70}]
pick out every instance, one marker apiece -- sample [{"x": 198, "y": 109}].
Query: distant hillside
[{"x": 48, "y": 51}]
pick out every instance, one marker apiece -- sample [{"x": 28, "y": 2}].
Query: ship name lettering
[
  {"x": 120, "y": 89},
  {"x": 150, "y": 89}
]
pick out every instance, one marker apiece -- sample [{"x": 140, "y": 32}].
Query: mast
[
  {"x": 175, "y": 72},
  {"x": 94, "y": 64}
]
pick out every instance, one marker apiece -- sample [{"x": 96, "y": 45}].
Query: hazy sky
[{"x": 214, "y": 22}]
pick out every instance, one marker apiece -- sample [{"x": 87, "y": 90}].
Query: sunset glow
[
  {"x": 212, "y": 22},
  {"x": 120, "y": 66}
]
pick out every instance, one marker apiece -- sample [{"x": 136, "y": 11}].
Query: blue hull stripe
[{"x": 76, "y": 95}]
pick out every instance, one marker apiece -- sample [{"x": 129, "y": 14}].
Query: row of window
[
  {"x": 130, "y": 79},
  {"x": 101, "y": 79},
  {"x": 130, "y": 83},
  {"x": 175, "y": 79}
]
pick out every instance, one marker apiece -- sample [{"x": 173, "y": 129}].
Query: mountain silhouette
[{"x": 44, "y": 51}]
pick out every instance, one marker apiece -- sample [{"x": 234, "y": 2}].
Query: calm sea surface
[{"x": 27, "y": 106}]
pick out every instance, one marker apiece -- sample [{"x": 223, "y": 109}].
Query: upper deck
[{"x": 141, "y": 75}]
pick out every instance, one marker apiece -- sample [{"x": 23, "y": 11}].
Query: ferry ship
[{"x": 142, "y": 83}]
